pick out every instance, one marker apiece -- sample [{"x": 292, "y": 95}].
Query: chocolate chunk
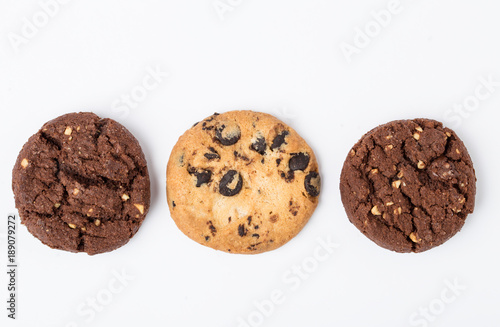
[
  {"x": 241, "y": 230},
  {"x": 312, "y": 183},
  {"x": 212, "y": 154},
  {"x": 202, "y": 177},
  {"x": 212, "y": 228},
  {"x": 279, "y": 140},
  {"x": 228, "y": 136},
  {"x": 299, "y": 161},
  {"x": 259, "y": 145},
  {"x": 289, "y": 176},
  {"x": 226, "y": 181}
]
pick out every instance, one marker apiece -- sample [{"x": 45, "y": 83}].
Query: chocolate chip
[
  {"x": 312, "y": 183},
  {"x": 212, "y": 228},
  {"x": 289, "y": 176},
  {"x": 207, "y": 238},
  {"x": 202, "y": 177},
  {"x": 279, "y": 140},
  {"x": 226, "y": 137},
  {"x": 278, "y": 161},
  {"x": 256, "y": 235},
  {"x": 173, "y": 204},
  {"x": 212, "y": 154},
  {"x": 299, "y": 161},
  {"x": 259, "y": 145},
  {"x": 249, "y": 219},
  {"x": 228, "y": 179},
  {"x": 241, "y": 230}
]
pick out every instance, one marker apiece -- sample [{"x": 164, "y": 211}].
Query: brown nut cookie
[
  {"x": 81, "y": 184},
  {"x": 409, "y": 185},
  {"x": 242, "y": 182}
]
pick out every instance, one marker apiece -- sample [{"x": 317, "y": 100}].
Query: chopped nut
[
  {"x": 374, "y": 171},
  {"x": 97, "y": 222},
  {"x": 398, "y": 211},
  {"x": 57, "y": 205},
  {"x": 68, "y": 131},
  {"x": 388, "y": 137},
  {"x": 73, "y": 226},
  {"x": 416, "y": 136},
  {"x": 419, "y": 129},
  {"x": 388, "y": 204},
  {"x": 462, "y": 201},
  {"x": 78, "y": 128},
  {"x": 70, "y": 138},
  {"x": 421, "y": 165},
  {"x": 125, "y": 197},
  {"x": 375, "y": 211},
  {"x": 24, "y": 163},
  {"x": 353, "y": 153},
  {"x": 389, "y": 147},
  {"x": 384, "y": 215},
  {"x": 448, "y": 134},
  {"x": 400, "y": 174},
  {"x": 458, "y": 151},
  {"x": 414, "y": 239},
  {"x": 76, "y": 191},
  {"x": 396, "y": 184},
  {"x": 84, "y": 229},
  {"x": 91, "y": 210},
  {"x": 139, "y": 207}
]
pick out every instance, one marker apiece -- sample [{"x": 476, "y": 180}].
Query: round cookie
[
  {"x": 408, "y": 185},
  {"x": 242, "y": 182},
  {"x": 81, "y": 184}
]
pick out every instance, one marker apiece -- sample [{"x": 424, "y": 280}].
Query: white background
[{"x": 283, "y": 57}]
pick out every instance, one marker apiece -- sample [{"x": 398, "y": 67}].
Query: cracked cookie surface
[
  {"x": 409, "y": 185},
  {"x": 242, "y": 182},
  {"x": 81, "y": 184}
]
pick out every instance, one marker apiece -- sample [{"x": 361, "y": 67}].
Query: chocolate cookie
[
  {"x": 409, "y": 185},
  {"x": 242, "y": 182},
  {"x": 81, "y": 184}
]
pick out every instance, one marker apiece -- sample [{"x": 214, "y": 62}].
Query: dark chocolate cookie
[
  {"x": 81, "y": 184},
  {"x": 242, "y": 182},
  {"x": 409, "y": 185}
]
